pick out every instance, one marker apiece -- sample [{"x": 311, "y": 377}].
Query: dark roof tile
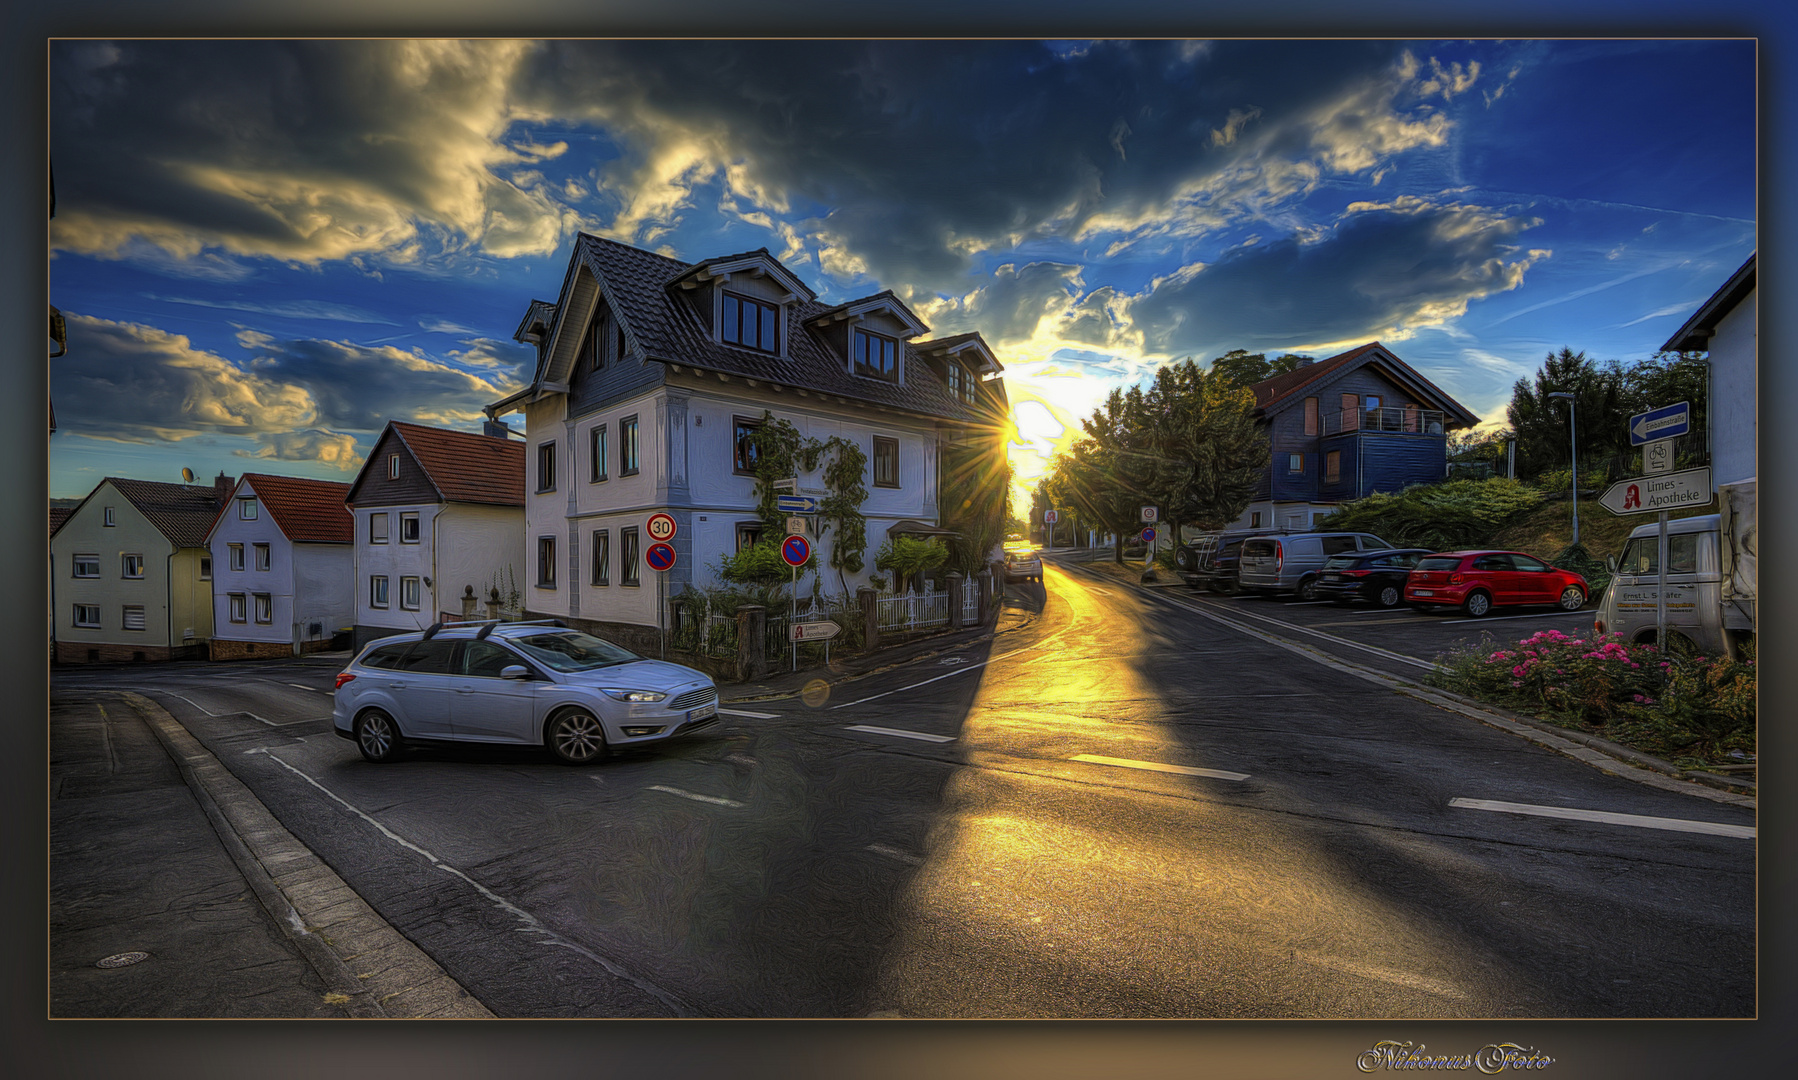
[
  {"x": 180, "y": 512},
  {"x": 467, "y": 467}
]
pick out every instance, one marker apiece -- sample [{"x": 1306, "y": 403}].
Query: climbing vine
[{"x": 782, "y": 452}]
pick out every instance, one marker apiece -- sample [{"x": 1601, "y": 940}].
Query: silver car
[{"x": 524, "y": 684}]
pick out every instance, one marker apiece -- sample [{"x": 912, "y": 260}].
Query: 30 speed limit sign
[{"x": 661, "y": 527}]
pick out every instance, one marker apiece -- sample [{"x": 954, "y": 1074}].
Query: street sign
[
  {"x": 1668, "y": 491},
  {"x": 791, "y": 483},
  {"x": 795, "y": 550},
  {"x": 1657, "y": 456},
  {"x": 661, "y": 527},
  {"x": 659, "y": 557},
  {"x": 1666, "y": 422},
  {"x": 796, "y": 526},
  {"x": 796, "y": 504},
  {"x": 1148, "y": 535},
  {"x": 1148, "y": 514},
  {"x": 817, "y": 630},
  {"x": 1050, "y": 517}
]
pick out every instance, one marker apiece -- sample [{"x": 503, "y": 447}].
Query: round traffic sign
[
  {"x": 795, "y": 550},
  {"x": 1148, "y": 535},
  {"x": 659, "y": 557},
  {"x": 661, "y": 527},
  {"x": 1050, "y": 517}
]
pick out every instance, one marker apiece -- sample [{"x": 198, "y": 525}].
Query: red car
[{"x": 1478, "y": 581}]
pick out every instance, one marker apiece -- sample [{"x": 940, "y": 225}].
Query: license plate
[
  {"x": 702, "y": 712},
  {"x": 1421, "y": 592}
]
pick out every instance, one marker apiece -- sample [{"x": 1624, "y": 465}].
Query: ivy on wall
[{"x": 781, "y": 452}]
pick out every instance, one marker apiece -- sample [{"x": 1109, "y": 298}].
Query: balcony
[{"x": 1407, "y": 420}]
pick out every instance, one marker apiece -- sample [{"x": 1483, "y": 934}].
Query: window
[
  {"x": 87, "y": 566},
  {"x": 393, "y": 466},
  {"x": 377, "y": 591},
  {"x": 1333, "y": 465},
  {"x": 109, "y": 519},
  {"x": 886, "y": 462},
  {"x": 1336, "y": 545},
  {"x": 598, "y": 451},
  {"x": 874, "y": 355},
  {"x": 961, "y": 383},
  {"x": 205, "y": 568},
  {"x": 238, "y": 608},
  {"x": 430, "y": 657},
  {"x": 1537, "y": 566},
  {"x": 265, "y": 608},
  {"x": 1351, "y": 412},
  {"x": 134, "y": 617},
  {"x": 87, "y": 616},
  {"x": 409, "y": 593},
  {"x": 602, "y": 557},
  {"x": 235, "y": 554},
  {"x": 546, "y": 467},
  {"x": 1374, "y": 416},
  {"x": 1642, "y": 555},
  {"x": 750, "y": 323},
  {"x": 1255, "y": 520},
  {"x": 387, "y": 657},
  {"x": 1295, "y": 463},
  {"x": 627, "y": 563},
  {"x": 261, "y": 556},
  {"x": 619, "y": 335},
  {"x": 1310, "y": 416},
  {"x": 748, "y": 533},
  {"x": 246, "y": 509},
  {"x": 377, "y": 528},
  {"x": 487, "y": 660},
  {"x": 131, "y": 566},
  {"x": 409, "y": 528},
  {"x": 546, "y": 562},
  {"x": 1410, "y": 417},
  {"x": 744, "y": 441},
  {"x": 627, "y": 446}
]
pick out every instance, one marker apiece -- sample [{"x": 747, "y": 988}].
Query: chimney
[
  {"x": 496, "y": 429},
  {"x": 221, "y": 487}
]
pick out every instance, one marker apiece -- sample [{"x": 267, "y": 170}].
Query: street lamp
[{"x": 1573, "y": 435}]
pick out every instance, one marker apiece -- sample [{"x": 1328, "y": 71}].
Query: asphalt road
[{"x": 1128, "y": 808}]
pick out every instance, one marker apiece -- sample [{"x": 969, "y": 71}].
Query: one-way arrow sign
[
  {"x": 1666, "y": 422},
  {"x": 796, "y": 504}
]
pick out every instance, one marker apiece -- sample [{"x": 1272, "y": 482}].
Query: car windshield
[
  {"x": 571, "y": 650},
  {"x": 1439, "y": 562}
]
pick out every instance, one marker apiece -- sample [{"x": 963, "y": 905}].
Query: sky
[{"x": 266, "y": 250}]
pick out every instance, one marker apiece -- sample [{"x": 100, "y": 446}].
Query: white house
[
  {"x": 1725, "y": 327},
  {"x": 282, "y": 577},
  {"x": 651, "y": 375},
  {"x": 439, "y": 517}
]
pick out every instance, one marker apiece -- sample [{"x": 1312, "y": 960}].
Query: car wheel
[
  {"x": 378, "y": 737},
  {"x": 576, "y": 737},
  {"x": 1572, "y": 599},
  {"x": 1389, "y": 596},
  {"x": 1308, "y": 589},
  {"x": 1477, "y": 604}
]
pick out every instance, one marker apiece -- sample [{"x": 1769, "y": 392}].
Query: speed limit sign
[{"x": 661, "y": 527}]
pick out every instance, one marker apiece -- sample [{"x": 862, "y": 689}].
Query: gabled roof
[
  {"x": 58, "y": 515},
  {"x": 1270, "y": 391},
  {"x": 1695, "y": 335},
  {"x": 307, "y": 511},
  {"x": 461, "y": 466},
  {"x": 880, "y": 301},
  {"x": 958, "y": 345},
  {"x": 1287, "y": 389},
  {"x": 180, "y": 512},
  {"x": 759, "y": 260}
]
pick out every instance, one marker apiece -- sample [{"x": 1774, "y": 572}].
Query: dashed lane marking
[
  {"x": 896, "y": 732},
  {"x": 750, "y": 715},
  {"x": 1605, "y": 817},
  {"x": 894, "y": 853},
  {"x": 1156, "y": 766},
  {"x": 712, "y": 799}
]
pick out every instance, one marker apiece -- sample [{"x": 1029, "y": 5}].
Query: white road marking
[
  {"x": 1386, "y": 653},
  {"x": 900, "y": 734},
  {"x": 1397, "y": 978},
  {"x": 1306, "y": 603},
  {"x": 714, "y": 800},
  {"x": 1605, "y": 817},
  {"x": 971, "y": 667},
  {"x": 751, "y": 715},
  {"x": 1156, "y": 766},
  {"x": 1507, "y": 618},
  {"x": 531, "y": 925},
  {"x": 895, "y": 853},
  {"x": 314, "y": 689},
  {"x": 251, "y": 715}
]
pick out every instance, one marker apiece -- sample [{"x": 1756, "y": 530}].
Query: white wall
[
  {"x": 277, "y": 581},
  {"x": 324, "y": 588},
  {"x": 395, "y": 560},
  {"x": 1733, "y": 351},
  {"x": 474, "y": 544}
]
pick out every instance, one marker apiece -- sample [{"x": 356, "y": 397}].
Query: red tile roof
[
  {"x": 308, "y": 511},
  {"x": 58, "y": 515},
  {"x": 1268, "y": 391},
  {"x": 466, "y": 467}
]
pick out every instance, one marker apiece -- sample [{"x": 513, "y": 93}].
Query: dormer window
[
  {"x": 752, "y": 324},
  {"x": 874, "y": 355},
  {"x": 961, "y": 383}
]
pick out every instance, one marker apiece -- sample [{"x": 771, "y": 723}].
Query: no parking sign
[{"x": 795, "y": 550}]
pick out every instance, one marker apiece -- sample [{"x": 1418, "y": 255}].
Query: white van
[{"x": 1710, "y": 581}]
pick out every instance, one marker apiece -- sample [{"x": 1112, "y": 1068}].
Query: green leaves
[{"x": 1443, "y": 517}]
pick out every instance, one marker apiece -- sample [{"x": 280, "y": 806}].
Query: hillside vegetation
[{"x": 1443, "y": 517}]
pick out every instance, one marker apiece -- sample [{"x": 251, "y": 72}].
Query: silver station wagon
[{"x": 523, "y": 684}]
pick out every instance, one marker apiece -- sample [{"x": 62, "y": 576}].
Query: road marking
[
  {"x": 1387, "y": 975},
  {"x": 715, "y": 801},
  {"x": 1387, "y": 654},
  {"x": 900, "y": 734},
  {"x": 1507, "y": 618},
  {"x": 1745, "y": 832},
  {"x": 751, "y": 715},
  {"x": 1156, "y": 766},
  {"x": 314, "y": 689},
  {"x": 1306, "y": 603},
  {"x": 895, "y": 853}
]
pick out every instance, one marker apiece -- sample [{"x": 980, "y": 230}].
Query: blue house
[{"x": 1343, "y": 428}]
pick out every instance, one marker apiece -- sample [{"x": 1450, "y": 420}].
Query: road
[{"x": 1130, "y": 808}]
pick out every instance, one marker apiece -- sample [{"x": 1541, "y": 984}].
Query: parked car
[
  {"x": 524, "y": 684},
  {"x": 1210, "y": 561},
  {"x": 1478, "y": 581},
  {"x": 1272, "y": 565},
  {"x": 1023, "y": 564},
  {"x": 1375, "y": 576}
]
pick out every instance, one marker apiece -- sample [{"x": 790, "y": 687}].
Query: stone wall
[
  {"x": 80, "y": 652},
  {"x": 225, "y": 649}
]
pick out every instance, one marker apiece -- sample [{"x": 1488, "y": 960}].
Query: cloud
[
  {"x": 326, "y": 447},
  {"x": 293, "y": 309},
  {"x": 360, "y": 388}
]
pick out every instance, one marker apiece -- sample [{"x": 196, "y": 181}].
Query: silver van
[
  {"x": 1697, "y": 580},
  {"x": 1290, "y": 564}
]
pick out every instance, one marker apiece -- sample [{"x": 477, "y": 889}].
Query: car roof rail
[{"x": 432, "y": 632}]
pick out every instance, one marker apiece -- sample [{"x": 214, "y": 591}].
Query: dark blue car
[{"x": 1375, "y": 576}]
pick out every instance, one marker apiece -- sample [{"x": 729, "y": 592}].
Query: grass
[{"x": 1547, "y": 530}]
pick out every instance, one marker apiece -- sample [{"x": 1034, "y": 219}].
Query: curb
[{"x": 375, "y": 969}]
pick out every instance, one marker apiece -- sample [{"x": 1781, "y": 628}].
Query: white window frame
[
  {"x": 409, "y": 589},
  {"x": 265, "y": 608},
  {"x": 87, "y": 617},
  {"x": 409, "y": 518},
  {"x": 393, "y": 466},
  {"x": 109, "y": 522},
  {"x": 235, "y": 555},
  {"x": 85, "y": 560},
  {"x": 238, "y": 608},
  {"x": 546, "y": 562},
  {"x": 602, "y": 558},
  {"x": 377, "y": 591},
  {"x": 380, "y": 535},
  {"x": 247, "y": 510},
  {"x": 546, "y": 466},
  {"x": 263, "y": 559},
  {"x": 125, "y": 562}
]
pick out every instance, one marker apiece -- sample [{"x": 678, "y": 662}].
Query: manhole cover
[{"x": 124, "y": 959}]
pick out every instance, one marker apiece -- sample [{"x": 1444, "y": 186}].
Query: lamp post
[{"x": 1573, "y": 436}]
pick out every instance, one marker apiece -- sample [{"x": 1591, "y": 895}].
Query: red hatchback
[{"x": 1478, "y": 581}]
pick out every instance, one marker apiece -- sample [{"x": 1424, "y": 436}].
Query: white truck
[{"x": 1710, "y": 580}]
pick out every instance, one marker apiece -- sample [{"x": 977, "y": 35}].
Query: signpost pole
[
  {"x": 1660, "y": 594},
  {"x": 662, "y": 610},
  {"x": 793, "y": 616}
]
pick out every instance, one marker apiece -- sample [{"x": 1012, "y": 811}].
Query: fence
[
  {"x": 970, "y": 602},
  {"x": 910, "y": 612}
]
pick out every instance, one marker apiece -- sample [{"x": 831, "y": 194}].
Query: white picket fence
[
  {"x": 970, "y": 601},
  {"x": 909, "y": 612}
]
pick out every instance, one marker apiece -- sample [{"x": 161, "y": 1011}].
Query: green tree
[
  {"x": 1207, "y": 449},
  {"x": 1541, "y": 423},
  {"x": 1241, "y": 368},
  {"x": 974, "y": 495}
]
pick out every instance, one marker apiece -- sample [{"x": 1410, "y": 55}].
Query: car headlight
[{"x": 635, "y": 697}]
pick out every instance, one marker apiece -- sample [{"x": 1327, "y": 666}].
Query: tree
[
  {"x": 1207, "y": 447},
  {"x": 1541, "y": 423},
  {"x": 1240, "y": 368},
  {"x": 975, "y": 495}
]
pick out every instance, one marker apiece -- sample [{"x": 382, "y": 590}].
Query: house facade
[
  {"x": 437, "y": 519},
  {"x": 1343, "y": 428},
  {"x": 653, "y": 375},
  {"x": 282, "y": 574},
  {"x": 130, "y": 573},
  {"x": 1726, "y": 327}
]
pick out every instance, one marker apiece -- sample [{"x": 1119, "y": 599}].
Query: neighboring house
[
  {"x": 1725, "y": 327},
  {"x": 130, "y": 575},
  {"x": 282, "y": 576},
  {"x": 1343, "y": 428},
  {"x": 439, "y": 516},
  {"x": 652, "y": 375}
]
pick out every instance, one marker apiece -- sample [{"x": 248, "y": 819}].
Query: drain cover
[{"x": 124, "y": 959}]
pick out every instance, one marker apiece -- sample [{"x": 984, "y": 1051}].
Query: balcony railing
[{"x": 1404, "y": 420}]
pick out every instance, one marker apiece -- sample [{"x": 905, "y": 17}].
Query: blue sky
[{"x": 265, "y": 250}]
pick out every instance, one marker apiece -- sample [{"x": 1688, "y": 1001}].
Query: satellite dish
[{"x": 187, "y": 475}]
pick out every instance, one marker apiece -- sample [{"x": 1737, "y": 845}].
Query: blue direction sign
[
  {"x": 796, "y": 504},
  {"x": 795, "y": 550},
  {"x": 1666, "y": 422},
  {"x": 659, "y": 557}
]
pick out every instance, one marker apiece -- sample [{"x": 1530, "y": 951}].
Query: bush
[{"x": 1442, "y": 517}]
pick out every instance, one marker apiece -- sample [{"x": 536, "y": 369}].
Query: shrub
[{"x": 1443, "y": 517}]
